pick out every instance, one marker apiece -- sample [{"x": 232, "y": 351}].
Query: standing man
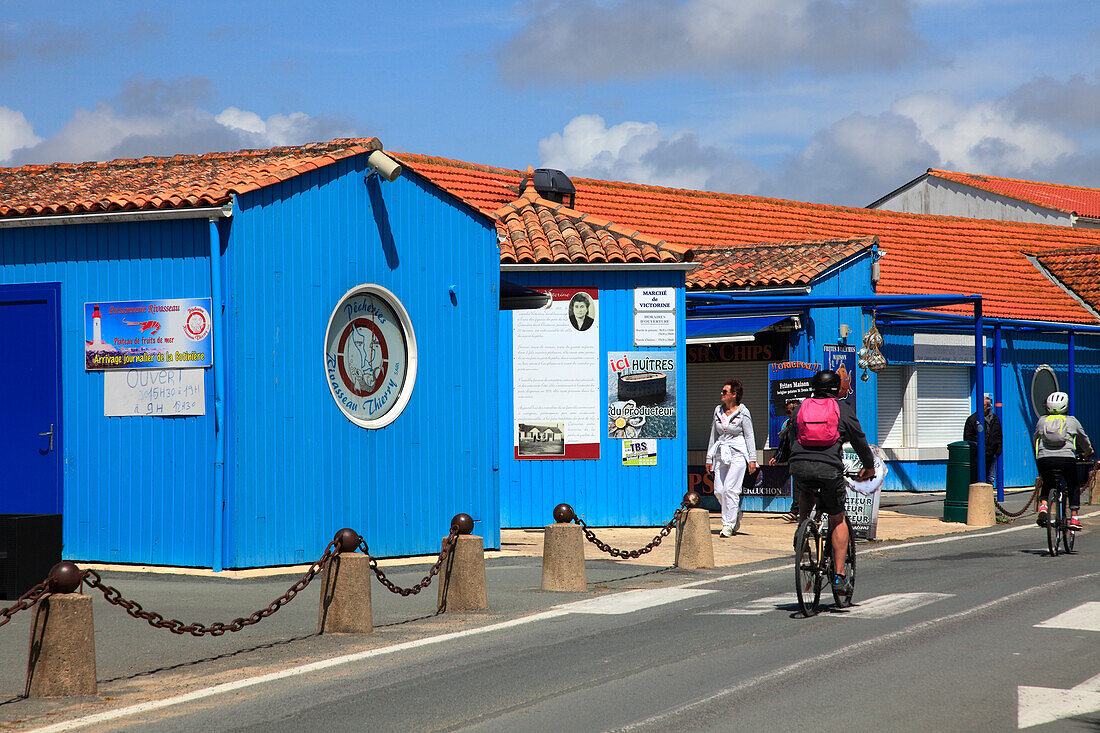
[{"x": 992, "y": 438}]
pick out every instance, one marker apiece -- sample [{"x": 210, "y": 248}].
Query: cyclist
[
  {"x": 1059, "y": 438},
  {"x": 813, "y": 447}
]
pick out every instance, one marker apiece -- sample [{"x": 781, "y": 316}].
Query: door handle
[{"x": 50, "y": 450}]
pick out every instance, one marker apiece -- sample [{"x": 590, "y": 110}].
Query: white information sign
[
  {"x": 862, "y": 501},
  {"x": 556, "y": 377},
  {"x": 156, "y": 392},
  {"x": 654, "y": 316}
]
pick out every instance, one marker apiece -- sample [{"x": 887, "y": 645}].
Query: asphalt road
[{"x": 944, "y": 636}]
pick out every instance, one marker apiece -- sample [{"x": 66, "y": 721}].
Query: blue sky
[{"x": 836, "y": 101}]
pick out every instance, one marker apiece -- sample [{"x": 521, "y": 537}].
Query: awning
[
  {"x": 516, "y": 297},
  {"x": 728, "y": 329}
]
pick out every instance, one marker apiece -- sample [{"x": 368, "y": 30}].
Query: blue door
[{"x": 30, "y": 422}]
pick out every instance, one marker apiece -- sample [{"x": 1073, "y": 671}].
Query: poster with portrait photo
[{"x": 556, "y": 374}]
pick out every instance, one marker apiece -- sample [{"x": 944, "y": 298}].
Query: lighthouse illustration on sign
[{"x": 97, "y": 343}]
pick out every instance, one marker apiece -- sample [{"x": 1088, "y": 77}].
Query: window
[{"x": 922, "y": 406}]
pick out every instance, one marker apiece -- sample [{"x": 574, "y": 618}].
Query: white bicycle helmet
[{"x": 1057, "y": 403}]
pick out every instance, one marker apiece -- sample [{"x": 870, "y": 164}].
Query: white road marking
[
  {"x": 1085, "y": 617},
  {"x": 755, "y": 608},
  {"x": 139, "y": 708},
  {"x": 1038, "y": 705},
  {"x": 664, "y": 720},
  {"x": 631, "y": 600},
  {"x": 889, "y": 605}
]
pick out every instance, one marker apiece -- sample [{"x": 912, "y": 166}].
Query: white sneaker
[{"x": 726, "y": 532}]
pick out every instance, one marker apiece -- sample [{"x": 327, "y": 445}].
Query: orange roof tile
[
  {"x": 922, "y": 254},
  {"x": 785, "y": 263},
  {"x": 1078, "y": 269},
  {"x": 1070, "y": 199},
  {"x": 534, "y": 230},
  {"x": 179, "y": 181}
]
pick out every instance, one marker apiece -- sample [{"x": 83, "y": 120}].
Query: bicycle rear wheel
[
  {"x": 807, "y": 568},
  {"x": 844, "y": 600},
  {"x": 1054, "y": 523},
  {"x": 1068, "y": 535}
]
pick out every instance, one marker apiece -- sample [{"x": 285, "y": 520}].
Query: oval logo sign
[{"x": 370, "y": 356}]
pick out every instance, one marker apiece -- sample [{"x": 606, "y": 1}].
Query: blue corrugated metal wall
[
  {"x": 603, "y": 492},
  {"x": 1021, "y": 352},
  {"x": 136, "y": 489},
  {"x": 300, "y": 469}
]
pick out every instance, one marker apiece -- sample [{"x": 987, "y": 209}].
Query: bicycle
[
  {"x": 814, "y": 565},
  {"x": 1059, "y": 534}
]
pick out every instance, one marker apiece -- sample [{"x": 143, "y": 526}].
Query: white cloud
[
  {"x": 165, "y": 118},
  {"x": 594, "y": 40},
  {"x": 985, "y": 137},
  {"x": 860, "y": 157},
  {"x": 642, "y": 153},
  {"x": 15, "y": 133}
]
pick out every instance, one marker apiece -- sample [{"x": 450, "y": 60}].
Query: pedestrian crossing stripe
[
  {"x": 1085, "y": 617},
  {"x": 878, "y": 607}
]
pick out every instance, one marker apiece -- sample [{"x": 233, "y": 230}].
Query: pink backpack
[{"x": 819, "y": 422}]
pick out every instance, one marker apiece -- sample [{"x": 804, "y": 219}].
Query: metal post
[
  {"x": 997, "y": 387},
  {"x": 218, "y": 368},
  {"x": 1069, "y": 382},
  {"x": 979, "y": 386}
]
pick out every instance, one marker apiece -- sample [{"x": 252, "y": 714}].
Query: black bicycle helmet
[{"x": 825, "y": 383}]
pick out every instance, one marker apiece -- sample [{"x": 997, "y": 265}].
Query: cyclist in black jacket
[{"x": 820, "y": 469}]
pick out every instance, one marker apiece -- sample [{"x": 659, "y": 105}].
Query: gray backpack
[{"x": 1053, "y": 432}]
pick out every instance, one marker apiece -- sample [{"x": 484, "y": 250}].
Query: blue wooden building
[{"x": 267, "y": 244}]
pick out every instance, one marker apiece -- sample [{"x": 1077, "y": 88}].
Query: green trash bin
[{"x": 961, "y": 472}]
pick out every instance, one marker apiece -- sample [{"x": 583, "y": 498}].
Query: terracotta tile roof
[
  {"x": 923, "y": 254},
  {"x": 1078, "y": 269},
  {"x": 177, "y": 182},
  {"x": 1070, "y": 199},
  {"x": 532, "y": 229},
  {"x": 785, "y": 263}
]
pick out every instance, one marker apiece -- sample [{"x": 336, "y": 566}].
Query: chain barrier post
[
  {"x": 462, "y": 579},
  {"x": 563, "y": 553},
  {"x": 345, "y": 606},
  {"x": 694, "y": 544},
  {"x": 980, "y": 511},
  {"x": 61, "y": 662}
]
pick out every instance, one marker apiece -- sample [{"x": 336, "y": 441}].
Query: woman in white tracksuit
[{"x": 732, "y": 450}]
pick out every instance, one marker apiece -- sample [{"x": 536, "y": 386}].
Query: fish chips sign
[{"x": 148, "y": 334}]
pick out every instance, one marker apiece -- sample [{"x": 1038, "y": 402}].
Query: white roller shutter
[
  {"x": 704, "y": 383},
  {"x": 943, "y": 404},
  {"x": 891, "y": 394}
]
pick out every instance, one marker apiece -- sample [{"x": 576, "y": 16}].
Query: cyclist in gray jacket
[{"x": 1059, "y": 439}]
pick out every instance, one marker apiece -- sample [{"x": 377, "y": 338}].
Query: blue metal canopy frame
[
  {"x": 903, "y": 310},
  {"x": 719, "y": 304}
]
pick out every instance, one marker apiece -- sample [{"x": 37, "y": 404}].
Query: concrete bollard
[
  {"x": 980, "y": 511},
  {"x": 345, "y": 606},
  {"x": 1091, "y": 492},
  {"x": 462, "y": 577},
  {"x": 61, "y": 662},
  {"x": 694, "y": 546},
  {"x": 563, "y": 558}
]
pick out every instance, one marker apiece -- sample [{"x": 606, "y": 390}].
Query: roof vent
[{"x": 553, "y": 185}]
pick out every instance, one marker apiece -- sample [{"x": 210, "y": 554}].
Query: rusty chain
[
  {"x": 616, "y": 552},
  {"x": 448, "y": 545},
  {"x": 25, "y": 601},
  {"x": 157, "y": 621},
  {"x": 1014, "y": 515}
]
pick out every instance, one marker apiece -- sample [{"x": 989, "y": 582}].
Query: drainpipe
[
  {"x": 979, "y": 385},
  {"x": 219, "y": 395},
  {"x": 997, "y": 409}
]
